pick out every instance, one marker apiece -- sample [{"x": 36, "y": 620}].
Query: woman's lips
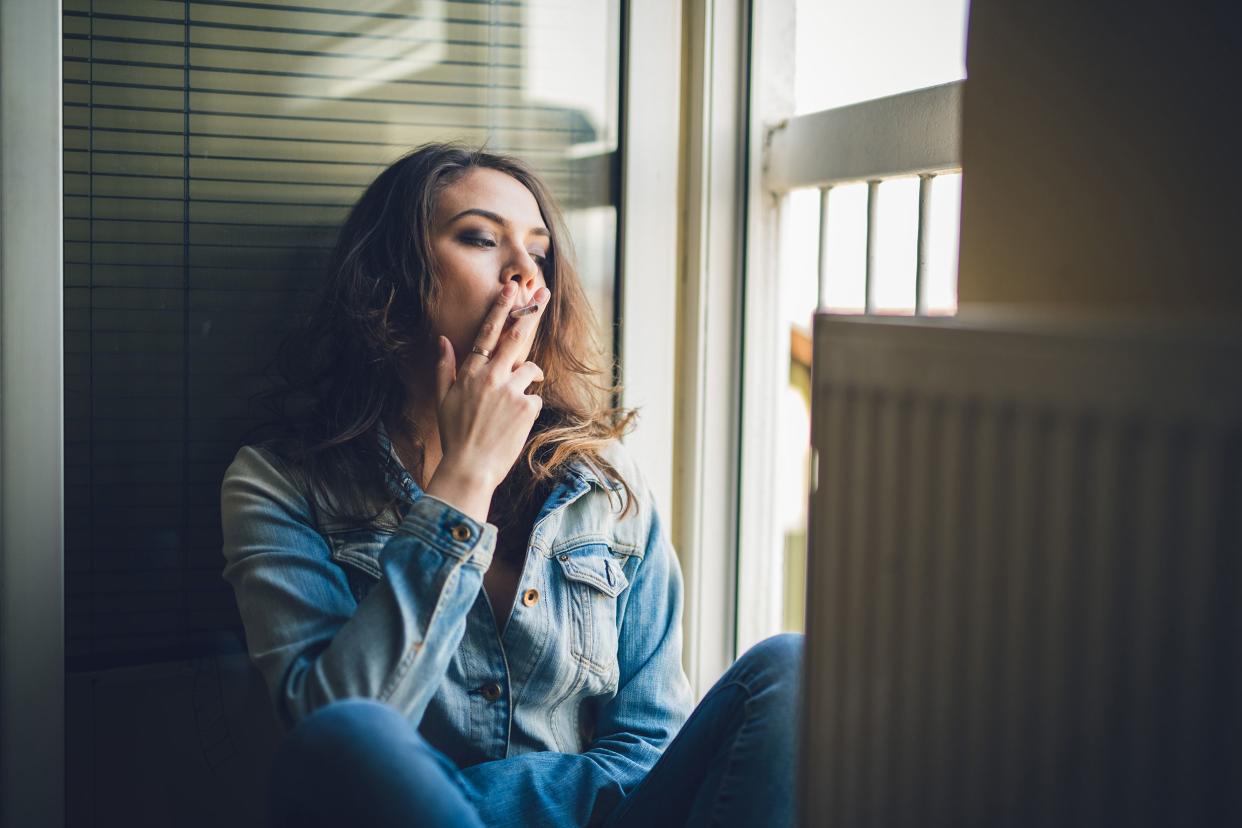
[{"x": 530, "y": 304}]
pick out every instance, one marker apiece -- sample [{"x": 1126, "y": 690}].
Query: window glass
[
  {"x": 849, "y": 51},
  {"x": 211, "y": 151}
]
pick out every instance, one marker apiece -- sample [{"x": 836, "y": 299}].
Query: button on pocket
[{"x": 461, "y": 532}]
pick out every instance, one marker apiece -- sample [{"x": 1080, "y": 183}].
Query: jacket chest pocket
[
  {"x": 357, "y": 553},
  {"x": 593, "y": 580}
]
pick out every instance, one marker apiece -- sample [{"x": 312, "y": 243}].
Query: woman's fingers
[
  {"x": 446, "y": 368},
  {"x": 485, "y": 415},
  {"x": 493, "y": 324},
  {"x": 510, "y": 351},
  {"x": 525, "y": 374}
]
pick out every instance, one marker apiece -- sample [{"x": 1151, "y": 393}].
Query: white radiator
[{"x": 1024, "y": 604}]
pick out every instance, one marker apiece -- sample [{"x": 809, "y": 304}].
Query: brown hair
[{"x": 339, "y": 371}]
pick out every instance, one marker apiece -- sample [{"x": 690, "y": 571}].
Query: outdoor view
[{"x": 847, "y": 53}]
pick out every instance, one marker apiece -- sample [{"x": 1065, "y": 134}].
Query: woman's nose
[{"x": 526, "y": 274}]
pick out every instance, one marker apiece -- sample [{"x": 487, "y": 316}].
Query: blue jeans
[{"x": 358, "y": 762}]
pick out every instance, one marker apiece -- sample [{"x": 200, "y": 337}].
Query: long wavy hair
[{"x": 337, "y": 375}]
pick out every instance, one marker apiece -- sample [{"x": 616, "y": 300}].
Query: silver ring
[{"x": 483, "y": 352}]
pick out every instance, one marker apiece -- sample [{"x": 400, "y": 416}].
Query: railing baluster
[
  {"x": 923, "y": 244},
  {"x": 873, "y": 207},
  {"x": 823, "y": 246}
]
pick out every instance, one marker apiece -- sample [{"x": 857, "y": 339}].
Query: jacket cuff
[{"x": 449, "y": 530}]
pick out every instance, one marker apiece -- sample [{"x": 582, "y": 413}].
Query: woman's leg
[
  {"x": 359, "y": 762},
  {"x": 734, "y": 760}
]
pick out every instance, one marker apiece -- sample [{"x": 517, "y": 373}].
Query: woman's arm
[
  {"x": 653, "y": 701},
  {"x": 310, "y": 639}
]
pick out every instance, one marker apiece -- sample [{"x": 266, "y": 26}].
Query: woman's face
[{"x": 487, "y": 231}]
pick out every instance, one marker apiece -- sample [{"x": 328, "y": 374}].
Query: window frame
[
  {"x": 32, "y": 681},
  {"x": 32, "y": 447},
  {"x": 914, "y": 133},
  {"x": 683, "y": 247}
]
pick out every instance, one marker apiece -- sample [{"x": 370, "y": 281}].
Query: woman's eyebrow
[{"x": 503, "y": 222}]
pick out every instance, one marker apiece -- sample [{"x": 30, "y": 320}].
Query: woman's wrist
[{"x": 463, "y": 489}]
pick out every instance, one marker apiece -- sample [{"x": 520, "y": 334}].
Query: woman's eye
[
  {"x": 539, "y": 258},
  {"x": 480, "y": 241}
]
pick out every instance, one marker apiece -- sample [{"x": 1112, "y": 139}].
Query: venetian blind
[{"x": 211, "y": 151}]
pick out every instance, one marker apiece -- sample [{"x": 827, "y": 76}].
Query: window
[
  {"x": 861, "y": 176},
  {"x": 211, "y": 150}
]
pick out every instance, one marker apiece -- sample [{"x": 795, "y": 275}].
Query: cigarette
[{"x": 529, "y": 309}]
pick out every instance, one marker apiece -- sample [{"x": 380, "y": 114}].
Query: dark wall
[{"x": 1100, "y": 144}]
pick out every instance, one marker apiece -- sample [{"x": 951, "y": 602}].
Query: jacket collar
[{"x": 403, "y": 484}]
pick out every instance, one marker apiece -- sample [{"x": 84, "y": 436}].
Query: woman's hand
[{"x": 485, "y": 414}]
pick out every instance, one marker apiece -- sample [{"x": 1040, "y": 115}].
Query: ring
[{"x": 483, "y": 352}]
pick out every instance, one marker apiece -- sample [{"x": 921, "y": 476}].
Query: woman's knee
[
  {"x": 779, "y": 654},
  {"x": 775, "y": 662},
  {"x": 341, "y": 734},
  {"x": 357, "y": 756}
]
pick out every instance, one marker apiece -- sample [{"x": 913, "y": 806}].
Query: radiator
[{"x": 1023, "y": 598}]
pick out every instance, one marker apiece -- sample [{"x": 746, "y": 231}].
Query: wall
[{"x": 1099, "y": 143}]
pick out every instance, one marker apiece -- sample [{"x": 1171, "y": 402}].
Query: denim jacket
[{"x": 555, "y": 718}]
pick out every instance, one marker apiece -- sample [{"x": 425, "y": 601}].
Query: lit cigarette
[{"x": 531, "y": 308}]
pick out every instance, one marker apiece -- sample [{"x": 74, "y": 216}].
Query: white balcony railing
[{"x": 911, "y": 134}]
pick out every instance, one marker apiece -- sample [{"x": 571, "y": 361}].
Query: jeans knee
[
  {"x": 780, "y": 654},
  {"x": 775, "y": 662},
  {"x": 360, "y": 757},
  {"x": 337, "y": 735},
  {"x": 338, "y": 719}
]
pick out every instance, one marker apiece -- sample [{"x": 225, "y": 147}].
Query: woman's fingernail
[{"x": 507, "y": 290}]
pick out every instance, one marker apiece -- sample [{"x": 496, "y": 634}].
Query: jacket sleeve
[
  {"x": 308, "y": 636},
  {"x": 652, "y": 702}
]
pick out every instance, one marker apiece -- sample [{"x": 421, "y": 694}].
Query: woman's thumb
[{"x": 446, "y": 368}]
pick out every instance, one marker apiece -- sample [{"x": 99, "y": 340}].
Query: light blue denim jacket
[{"x": 590, "y": 679}]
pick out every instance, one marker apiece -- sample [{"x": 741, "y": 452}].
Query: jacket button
[
  {"x": 530, "y": 597},
  {"x": 461, "y": 532},
  {"x": 491, "y": 692},
  {"x": 563, "y": 556}
]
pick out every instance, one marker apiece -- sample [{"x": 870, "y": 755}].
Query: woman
[{"x": 411, "y": 469}]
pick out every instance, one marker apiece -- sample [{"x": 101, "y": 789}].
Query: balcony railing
[{"x": 912, "y": 134}]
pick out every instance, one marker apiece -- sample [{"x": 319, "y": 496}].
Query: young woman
[{"x": 460, "y": 594}]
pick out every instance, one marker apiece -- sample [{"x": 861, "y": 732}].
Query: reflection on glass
[{"x": 211, "y": 151}]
